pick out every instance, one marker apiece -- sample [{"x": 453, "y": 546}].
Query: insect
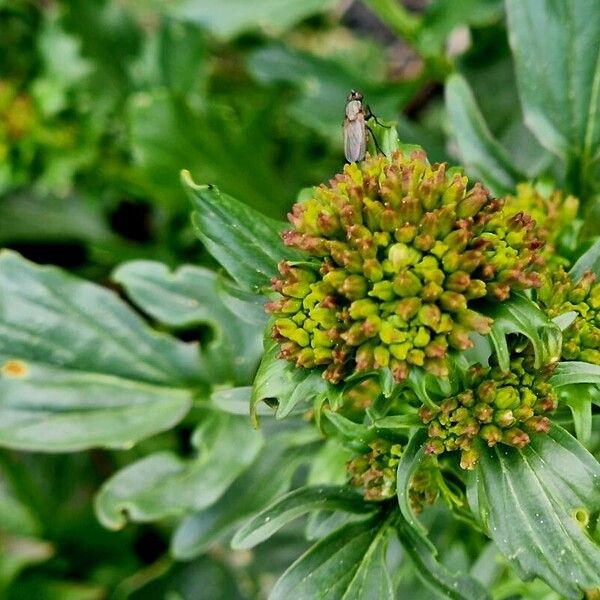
[{"x": 355, "y": 127}]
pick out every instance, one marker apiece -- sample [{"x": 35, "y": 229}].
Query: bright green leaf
[
  {"x": 589, "y": 261},
  {"x": 521, "y": 315},
  {"x": 229, "y": 18}
]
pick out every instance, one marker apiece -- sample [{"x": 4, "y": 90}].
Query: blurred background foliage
[{"x": 103, "y": 102}]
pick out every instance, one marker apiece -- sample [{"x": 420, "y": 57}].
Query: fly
[{"x": 356, "y": 130}]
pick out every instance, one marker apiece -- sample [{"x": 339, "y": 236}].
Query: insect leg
[
  {"x": 369, "y": 115},
  {"x": 377, "y": 146}
]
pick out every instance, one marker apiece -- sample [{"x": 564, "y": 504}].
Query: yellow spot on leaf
[{"x": 14, "y": 368}]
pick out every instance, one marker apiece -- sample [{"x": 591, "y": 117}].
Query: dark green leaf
[
  {"x": 164, "y": 484},
  {"x": 79, "y": 369},
  {"x": 192, "y": 296},
  {"x": 481, "y": 153},
  {"x": 432, "y": 573},
  {"x": 252, "y": 491},
  {"x": 540, "y": 505},
  {"x": 555, "y": 44},
  {"x": 246, "y": 243},
  {"x": 229, "y": 18},
  {"x": 413, "y": 534},
  {"x": 349, "y": 564},
  {"x": 294, "y": 505}
]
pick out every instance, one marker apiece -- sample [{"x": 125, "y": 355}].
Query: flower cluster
[
  {"x": 560, "y": 294},
  {"x": 398, "y": 252},
  {"x": 496, "y": 407},
  {"x": 375, "y": 472}
]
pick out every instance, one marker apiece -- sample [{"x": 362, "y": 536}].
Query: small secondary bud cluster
[
  {"x": 551, "y": 212},
  {"x": 375, "y": 472},
  {"x": 397, "y": 252},
  {"x": 497, "y": 407},
  {"x": 559, "y": 294}
]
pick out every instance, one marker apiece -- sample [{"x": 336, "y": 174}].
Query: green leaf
[
  {"x": 79, "y": 369},
  {"x": 163, "y": 484},
  {"x": 229, "y": 18},
  {"x": 252, "y": 491},
  {"x": 574, "y": 381},
  {"x": 246, "y": 243},
  {"x": 191, "y": 296},
  {"x": 432, "y": 573},
  {"x": 226, "y": 146},
  {"x": 280, "y": 380},
  {"x": 589, "y": 261},
  {"x": 295, "y": 504},
  {"x": 321, "y": 106},
  {"x": 17, "y": 553},
  {"x": 481, "y": 153},
  {"x": 521, "y": 315},
  {"x": 349, "y": 564},
  {"x": 573, "y": 372},
  {"x": 555, "y": 45},
  {"x": 412, "y": 456},
  {"x": 540, "y": 505},
  {"x": 413, "y": 534}
]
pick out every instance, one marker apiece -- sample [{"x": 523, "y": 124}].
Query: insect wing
[{"x": 355, "y": 138}]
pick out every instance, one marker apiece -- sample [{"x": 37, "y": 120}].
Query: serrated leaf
[
  {"x": 535, "y": 502},
  {"x": 245, "y": 242},
  {"x": 521, "y": 315},
  {"x": 163, "y": 484},
  {"x": 78, "y": 368},
  {"x": 481, "y": 153},
  {"x": 588, "y": 261},
  {"x": 555, "y": 46},
  {"x": 349, "y": 564},
  {"x": 294, "y": 505},
  {"x": 252, "y": 491},
  {"x": 191, "y": 296}
]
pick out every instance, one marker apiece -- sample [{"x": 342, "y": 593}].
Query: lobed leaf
[
  {"x": 79, "y": 369},
  {"x": 191, "y": 296},
  {"x": 163, "y": 484}
]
